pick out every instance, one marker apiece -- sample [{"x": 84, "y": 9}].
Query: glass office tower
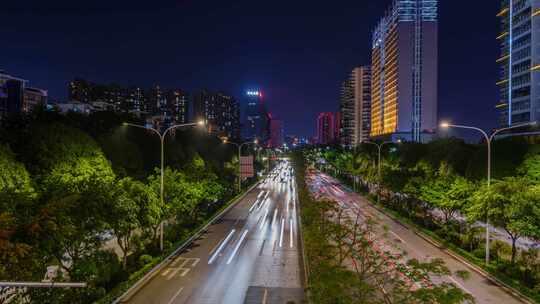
[{"x": 519, "y": 62}]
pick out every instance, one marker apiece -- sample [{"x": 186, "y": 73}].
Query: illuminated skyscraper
[
  {"x": 355, "y": 107},
  {"x": 256, "y": 123},
  {"x": 404, "y": 72},
  {"x": 519, "y": 85}
]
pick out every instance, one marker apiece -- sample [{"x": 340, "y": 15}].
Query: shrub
[{"x": 145, "y": 259}]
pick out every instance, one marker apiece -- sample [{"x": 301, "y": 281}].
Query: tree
[
  {"x": 17, "y": 196},
  {"x": 123, "y": 213},
  {"x": 448, "y": 192},
  {"x": 531, "y": 167},
  {"x": 510, "y": 205}
]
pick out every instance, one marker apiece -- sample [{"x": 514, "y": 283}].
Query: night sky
[{"x": 298, "y": 52}]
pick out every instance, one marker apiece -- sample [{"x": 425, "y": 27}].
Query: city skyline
[
  {"x": 277, "y": 62},
  {"x": 210, "y": 151}
]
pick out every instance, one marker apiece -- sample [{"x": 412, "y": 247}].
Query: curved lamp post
[
  {"x": 489, "y": 140},
  {"x": 239, "y": 146},
  {"x": 162, "y": 139},
  {"x": 379, "y": 147}
]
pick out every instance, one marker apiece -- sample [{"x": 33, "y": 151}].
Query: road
[
  {"x": 250, "y": 255},
  {"x": 483, "y": 290}
]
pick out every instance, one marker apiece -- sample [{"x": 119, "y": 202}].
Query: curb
[
  {"x": 509, "y": 289},
  {"x": 133, "y": 290}
]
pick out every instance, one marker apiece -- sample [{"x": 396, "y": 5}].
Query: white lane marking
[
  {"x": 176, "y": 270},
  {"x": 171, "y": 272},
  {"x": 265, "y": 296},
  {"x": 459, "y": 285},
  {"x": 253, "y": 206},
  {"x": 221, "y": 247},
  {"x": 175, "y": 295},
  {"x": 281, "y": 233},
  {"x": 397, "y": 236},
  {"x": 274, "y": 218},
  {"x": 262, "y": 203},
  {"x": 291, "y": 230},
  {"x": 264, "y": 218},
  {"x": 237, "y": 246},
  {"x": 195, "y": 262},
  {"x": 184, "y": 261}
]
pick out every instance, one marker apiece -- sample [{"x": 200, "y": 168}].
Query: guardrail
[{"x": 128, "y": 294}]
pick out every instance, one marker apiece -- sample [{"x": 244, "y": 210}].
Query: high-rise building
[
  {"x": 80, "y": 90},
  {"x": 178, "y": 103},
  {"x": 355, "y": 107},
  {"x": 276, "y": 133},
  {"x": 325, "y": 128},
  {"x": 519, "y": 62},
  {"x": 165, "y": 106},
  {"x": 17, "y": 97},
  {"x": 337, "y": 126},
  {"x": 256, "y": 119},
  {"x": 404, "y": 72},
  {"x": 221, "y": 113}
]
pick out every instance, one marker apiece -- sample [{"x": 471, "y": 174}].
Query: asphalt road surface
[
  {"x": 483, "y": 290},
  {"x": 249, "y": 256}
]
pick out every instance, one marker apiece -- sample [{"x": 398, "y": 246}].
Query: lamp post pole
[
  {"x": 489, "y": 140},
  {"x": 379, "y": 147},
  {"x": 162, "y": 140},
  {"x": 239, "y": 146}
]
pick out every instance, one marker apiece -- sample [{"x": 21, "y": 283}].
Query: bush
[
  {"x": 145, "y": 259},
  {"x": 480, "y": 253}
]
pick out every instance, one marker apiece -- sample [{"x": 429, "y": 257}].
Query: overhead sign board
[{"x": 246, "y": 166}]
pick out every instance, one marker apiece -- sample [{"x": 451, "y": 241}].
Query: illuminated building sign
[{"x": 253, "y": 93}]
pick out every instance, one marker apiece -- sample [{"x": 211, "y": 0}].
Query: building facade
[
  {"x": 17, "y": 97},
  {"x": 355, "y": 107},
  {"x": 325, "y": 128},
  {"x": 337, "y": 126},
  {"x": 163, "y": 105},
  {"x": 519, "y": 62},
  {"x": 276, "y": 133},
  {"x": 34, "y": 98},
  {"x": 221, "y": 113},
  {"x": 256, "y": 122},
  {"x": 404, "y": 72}
]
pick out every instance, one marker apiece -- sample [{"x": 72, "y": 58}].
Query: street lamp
[
  {"x": 239, "y": 146},
  {"x": 379, "y": 147},
  {"x": 489, "y": 140},
  {"x": 162, "y": 139}
]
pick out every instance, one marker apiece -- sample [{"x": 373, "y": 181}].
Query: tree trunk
[{"x": 514, "y": 239}]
